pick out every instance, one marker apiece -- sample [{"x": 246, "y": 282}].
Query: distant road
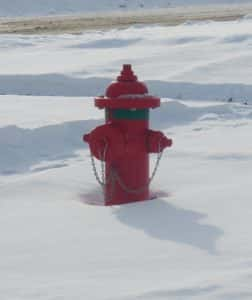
[{"x": 78, "y": 23}]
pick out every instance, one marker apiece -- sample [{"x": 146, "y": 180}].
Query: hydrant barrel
[{"x": 126, "y": 152}]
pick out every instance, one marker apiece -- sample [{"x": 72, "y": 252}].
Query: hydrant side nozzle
[
  {"x": 166, "y": 142},
  {"x": 86, "y": 138},
  {"x": 157, "y": 141},
  {"x": 106, "y": 142}
]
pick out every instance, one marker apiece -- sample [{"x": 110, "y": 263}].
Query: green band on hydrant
[{"x": 129, "y": 114}]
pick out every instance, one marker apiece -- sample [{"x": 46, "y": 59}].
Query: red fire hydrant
[{"x": 123, "y": 144}]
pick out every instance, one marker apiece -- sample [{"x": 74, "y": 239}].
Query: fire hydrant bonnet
[
  {"x": 126, "y": 93},
  {"x": 127, "y": 84}
]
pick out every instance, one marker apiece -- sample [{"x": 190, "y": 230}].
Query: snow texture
[{"x": 193, "y": 241}]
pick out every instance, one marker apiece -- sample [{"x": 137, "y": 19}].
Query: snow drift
[{"x": 192, "y": 242}]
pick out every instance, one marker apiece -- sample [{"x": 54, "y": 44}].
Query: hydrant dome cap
[{"x": 126, "y": 84}]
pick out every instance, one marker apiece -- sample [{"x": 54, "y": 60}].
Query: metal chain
[
  {"x": 159, "y": 157},
  {"x": 102, "y": 159},
  {"x": 100, "y": 181},
  {"x": 113, "y": 177},
  {"x": 141, "y": 189}
]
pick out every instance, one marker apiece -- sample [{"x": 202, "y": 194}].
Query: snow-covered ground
[
  {"x": 13, "y": 8},
  {"x": 204, "y": 60},
  {"x": 194, "y": 240}
]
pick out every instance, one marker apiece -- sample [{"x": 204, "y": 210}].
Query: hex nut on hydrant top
[{"x": 123, "y": 144}]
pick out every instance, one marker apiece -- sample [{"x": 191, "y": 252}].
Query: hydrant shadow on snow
[{"x": 162, "y": 220}]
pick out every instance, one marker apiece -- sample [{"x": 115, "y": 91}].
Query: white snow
[
  {"x": 192, "y": 61},
  {"x": 194, "y": 240},
  {"x": 14, "y": 8}
]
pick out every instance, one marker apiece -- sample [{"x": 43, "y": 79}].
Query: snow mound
[
  {"x": 193, "y": 241},
  {"x": 22, "y": 148},
  {"x": 204, "y": 61},
  {"x": 62, "y": 85}
]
